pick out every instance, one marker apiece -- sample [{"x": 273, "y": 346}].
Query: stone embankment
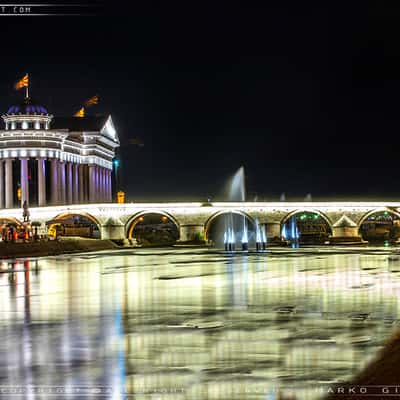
[{"x": 54, "y": 247}]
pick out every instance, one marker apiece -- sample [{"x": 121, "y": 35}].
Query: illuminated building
[{"x": 55, "y": 160}]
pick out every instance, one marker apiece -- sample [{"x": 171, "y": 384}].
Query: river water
[{"x": 193, "y": 324}]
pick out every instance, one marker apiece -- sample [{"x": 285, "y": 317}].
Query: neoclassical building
[{"x": 48, "y": 160}]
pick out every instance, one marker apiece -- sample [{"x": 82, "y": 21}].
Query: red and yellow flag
[
  {"x": 80, "y": 113},
  {"x": 23, "y": 82},
  {"x": 92, "y": 101}
]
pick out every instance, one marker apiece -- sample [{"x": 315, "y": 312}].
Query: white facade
[{"x": 55, "y": 161}]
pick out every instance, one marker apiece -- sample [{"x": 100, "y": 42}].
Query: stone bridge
[{"x": 116, "y": 221}]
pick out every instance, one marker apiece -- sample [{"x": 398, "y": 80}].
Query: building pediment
[
  {"x": 109, "y": 130},
  {"x": 344, "y": 222}
]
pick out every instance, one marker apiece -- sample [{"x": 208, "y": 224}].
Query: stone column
[
  {"x": 75, "y": 183},
  {"x": 92, "y": 183},
  {"x": 2, "y": 184},
  {"x": 85, "y": 172},
  {"x": 110, "y": 188},
  {"x": 95, "y": 184},
  {"x": 41, "y": 182},
  {"x": 62, "y": 181},
  {"x": 191, "y": 232},
  {"x": 24, "y": 181},
  {"x": 54, "y": 182},
  {"x": 70, "y": 187},
  {"x": 81, "y": 184},
  {"x": 98, "y": 185},
  {"x": 107, "y": 192},
  {"x": 273, "y": 230},
  {"x": 103, "y": 185},
  {"x": 107, "y": 186},
  {"x": 345, "y": 231},
  {"x": 114, "y": 229},
  {"x": 9, "y": 184},
  {"x": 345, "y": 235}
]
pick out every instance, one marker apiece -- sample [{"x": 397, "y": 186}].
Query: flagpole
[{"x": 27, "y": 88}]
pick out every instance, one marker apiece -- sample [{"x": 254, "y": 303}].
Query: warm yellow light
[
  {"x": 121, "y": 197},
  {"x": 80, "y": 113}
]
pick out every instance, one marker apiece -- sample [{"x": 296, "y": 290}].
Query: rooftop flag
[
  {"x": 80, "y": 113},
  {"x": 92, "y": 101},
  {"x": 23, "y": 82}
]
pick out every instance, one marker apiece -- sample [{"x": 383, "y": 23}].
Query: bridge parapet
[{"x": 194, "y": 218}]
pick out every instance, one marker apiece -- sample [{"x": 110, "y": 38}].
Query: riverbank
[
  {"x": 380, "y": 378},
  {"x": 54, "y": 247}
]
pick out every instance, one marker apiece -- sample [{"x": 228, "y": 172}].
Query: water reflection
[{"x": 196, "y": 325}]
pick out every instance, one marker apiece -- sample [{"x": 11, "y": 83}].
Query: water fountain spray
[
  {"x": 245, "y": 239},
  {"x": 294, "y": 230},
  {"x": 237, "y": 192},
  {"x": 231, "y": 245},
  {"x": 264, "y": 238},
  {"x": 258, "y": 236},
  {"x": 226, "y": 243},
  {"x": 284, "y": 232}
]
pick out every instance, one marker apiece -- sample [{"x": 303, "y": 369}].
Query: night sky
[{"x": 307, "y": 98}]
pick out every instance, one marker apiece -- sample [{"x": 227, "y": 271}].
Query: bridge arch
[
  {"x": 377, "y": 211},
  {"x": 74, "y": 223},
  {"x": 212, "y": 218},
  {"x": 311, "y": 226},
  {"x": 139, "y": 217},
  {"x": 293, "y": 213},
  {"x": 380, "y": 225},
  {"x": 215, "y": 227},
  {"x": 9, "y": 228},
  {"x": 9, "y": 220}
]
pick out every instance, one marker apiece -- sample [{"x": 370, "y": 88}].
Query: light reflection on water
[{"x": 167, "y": 324}]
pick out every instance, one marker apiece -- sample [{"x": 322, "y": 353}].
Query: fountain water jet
[
  {"x": 264, "y": 238},
  {"x": 237, "y": 192},
  {"x": 245, "y": 238},
  {"x": 258, "y": 236},
  {"x": 290, "y": 230}
]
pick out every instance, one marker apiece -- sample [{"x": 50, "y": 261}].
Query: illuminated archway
[
  {"x": 74, "y": 224},
  {"x": 155, "y": 228},
  {"x": 4, "y": 221},
  {"x": 11, "y": 228},
  {"x": 380, "y": 226},
  {"x": 306, "y": 226},
  {"x": 239, "y": 223}
]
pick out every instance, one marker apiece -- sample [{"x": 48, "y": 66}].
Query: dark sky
[{"x": 305, "y": 97}]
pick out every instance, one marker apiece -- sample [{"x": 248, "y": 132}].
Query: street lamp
[{"x": 116, "y": 173}]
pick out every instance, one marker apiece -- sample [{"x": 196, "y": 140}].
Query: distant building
[{"x": 48, "y": 160}]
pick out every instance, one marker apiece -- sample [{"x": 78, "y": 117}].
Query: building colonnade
[{"x": 69, "y": 182}]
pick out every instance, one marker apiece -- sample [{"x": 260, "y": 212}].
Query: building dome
[{"x": 28, "y": 107}]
